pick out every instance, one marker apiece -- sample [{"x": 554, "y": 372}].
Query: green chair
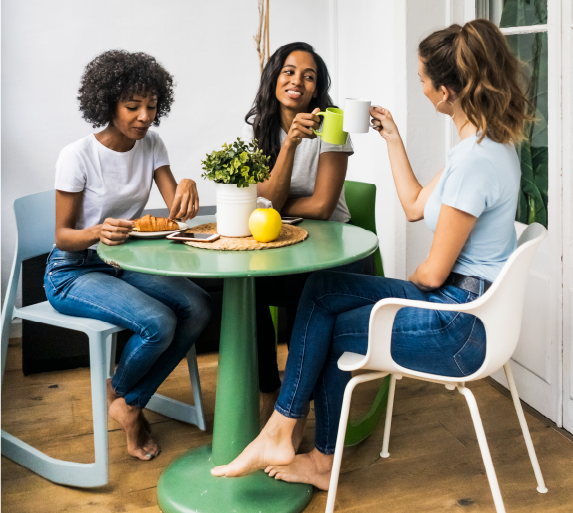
[{"x": 361, "y": 202}]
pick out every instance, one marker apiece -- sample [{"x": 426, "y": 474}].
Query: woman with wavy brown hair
[{"x": 469, "y": 74}]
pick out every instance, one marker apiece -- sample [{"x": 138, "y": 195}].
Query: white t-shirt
[
  {"x": 305, "y": 166},
  {"x": 114, "y": 184}
]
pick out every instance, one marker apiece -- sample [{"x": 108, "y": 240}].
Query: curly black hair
[{"x": 116, "y": 75}]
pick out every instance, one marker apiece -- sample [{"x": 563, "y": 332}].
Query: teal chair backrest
[
  {"x": 361, "y": 202},
  {"x": 36, "y": 224}
]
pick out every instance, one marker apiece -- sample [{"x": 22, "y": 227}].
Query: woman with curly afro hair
[{"x": 103, "y": 183}]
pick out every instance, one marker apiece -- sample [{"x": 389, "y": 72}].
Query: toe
[
  {"x": 142, "y": 454},
  {"x": 152, "y": 448},
  {"x": 219, "y": 471}
]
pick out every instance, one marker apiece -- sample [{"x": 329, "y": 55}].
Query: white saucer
[{"x": 156, "y": 235}]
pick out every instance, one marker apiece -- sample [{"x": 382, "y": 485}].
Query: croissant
[{"x": 154, "y": 224}]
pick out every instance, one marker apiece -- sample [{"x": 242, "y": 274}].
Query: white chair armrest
[
  {"x": 426, "y": 305},
  {"x": 382, "y": 317}
]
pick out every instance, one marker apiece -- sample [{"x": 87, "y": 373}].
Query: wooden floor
[{"x": 434, "y": 463}]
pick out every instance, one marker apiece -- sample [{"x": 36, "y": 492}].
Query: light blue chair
[{"x": 35, "y": 223}]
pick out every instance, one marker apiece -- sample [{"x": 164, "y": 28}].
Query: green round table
[{"x": 187, "y": 485}]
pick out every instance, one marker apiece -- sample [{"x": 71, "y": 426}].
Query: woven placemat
[{"x": 288, "y": 235}]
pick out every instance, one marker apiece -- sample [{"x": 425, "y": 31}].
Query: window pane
[
  {"x": 513, "y": 13},
  {"x": 531, "y": 50}
]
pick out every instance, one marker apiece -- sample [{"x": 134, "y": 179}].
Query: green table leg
[{"x": 187, "y": 486}]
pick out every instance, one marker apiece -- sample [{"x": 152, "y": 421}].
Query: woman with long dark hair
[
  {"x": 469, "y": 74},
  {"x": 307, "y": 179}
]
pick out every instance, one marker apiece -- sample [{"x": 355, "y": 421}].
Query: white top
[
  {"x": 114, "y": 184},
  {"x": 305, "y": 166},
  {"x": 482, "y": 180}
]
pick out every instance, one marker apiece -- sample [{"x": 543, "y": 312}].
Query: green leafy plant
[
  {"x": 238, "y": 163},
  {"x": 531, "y": 50}
]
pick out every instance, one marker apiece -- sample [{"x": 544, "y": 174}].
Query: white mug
[{"x": 356, "y": 116}]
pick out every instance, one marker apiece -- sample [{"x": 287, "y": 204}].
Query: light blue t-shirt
[{"x": 483, "y": 180}]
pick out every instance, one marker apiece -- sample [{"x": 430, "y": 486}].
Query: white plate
[{"x": 156, "y": 235}]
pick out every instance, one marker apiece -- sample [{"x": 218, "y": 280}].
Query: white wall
[
  {"x": 425, "y": 129},
  {"x": 207, "y": 46},
  {"x": 367, "y": 53},
  {"x": 377, "y": 59}
]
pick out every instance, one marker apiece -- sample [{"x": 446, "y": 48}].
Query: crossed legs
[
  {"x": 333, "y": 317},
  {"x": 166, "y": 315}
]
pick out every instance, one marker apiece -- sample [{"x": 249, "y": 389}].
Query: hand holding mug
[
  {"x": 114, "y": 232},
  {"x": 301, "y": 127},
  {"x": 383, "y": 122}
]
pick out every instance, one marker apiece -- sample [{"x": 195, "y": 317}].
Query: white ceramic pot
[{"x": 234, "y": 207}]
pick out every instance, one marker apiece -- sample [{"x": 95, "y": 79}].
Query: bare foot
[
  {"x": 112, "y": 396},
  {"x": 139, "y": 443},
  {"x": 313, "y": 468},
  {"x": 299, "y": 429},
  {"x": 268, "y": 407},
  {"x": 146, "y": 424},
  {"x": 272, "y": 447}
]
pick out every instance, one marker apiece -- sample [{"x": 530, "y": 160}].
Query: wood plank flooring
[{"x": 434, "y": 465}]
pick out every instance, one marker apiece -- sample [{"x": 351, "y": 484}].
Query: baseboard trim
[{"x": 532, "y": 411}]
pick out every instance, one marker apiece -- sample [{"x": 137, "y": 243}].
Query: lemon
[{"x": 265, "y": 224}]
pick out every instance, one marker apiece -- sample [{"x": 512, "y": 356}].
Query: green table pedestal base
[{"x": 187, "y": 486}]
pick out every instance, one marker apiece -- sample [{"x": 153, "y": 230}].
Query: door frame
[
  {"x": 548, "y": 401},
  {"x": 567, "y": 190}
]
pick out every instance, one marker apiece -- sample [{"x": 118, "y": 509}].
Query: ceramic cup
[
  {"x": 356, "y": 115},
  {"x": 332, "y": 131}
]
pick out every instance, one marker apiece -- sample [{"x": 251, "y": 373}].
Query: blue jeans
[
  {"x": 333, "y": 317},
  {"x": 284, "y": 291},
  {"x": 166, "y": 314}
]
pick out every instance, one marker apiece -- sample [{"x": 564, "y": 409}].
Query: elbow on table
[
  {"x": 325, "y": 210},
  {"x": 320, "y": 211},
  {"x": 323, "y": 216}
]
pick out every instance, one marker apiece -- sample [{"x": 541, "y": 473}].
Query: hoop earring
[{"x": 444, "y": 113}]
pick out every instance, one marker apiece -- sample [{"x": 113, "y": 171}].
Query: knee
[
  {"x": 159, "y": 329},
  {"x": 196, "y": 306},
  {"x": 317, "y": 282},
  {"x": 202, "y": 309}
]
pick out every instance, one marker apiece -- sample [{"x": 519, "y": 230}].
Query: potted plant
[{"x": 236, "y": 171}]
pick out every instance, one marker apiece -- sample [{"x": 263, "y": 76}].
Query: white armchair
[{"x": 500, "y": 309}]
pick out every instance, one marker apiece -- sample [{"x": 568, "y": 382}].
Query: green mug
[{"x": 332, "y": 126}]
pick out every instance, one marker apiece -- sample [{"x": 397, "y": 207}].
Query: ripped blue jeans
[{"x": 333, "y": 316}]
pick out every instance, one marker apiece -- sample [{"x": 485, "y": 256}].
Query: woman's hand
[
  {"x": 301, "y": 127},
  {"x": 384, "y": 122},
  {"x": 114, "y": 232},
  {"x": 185, "y": 204}
]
